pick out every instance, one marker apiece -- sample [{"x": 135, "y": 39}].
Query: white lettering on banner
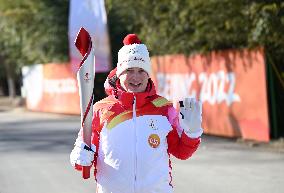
[
  {"x": 213, "y": 88},
  {"x": 53, "y": 86},
  {"x": 171, "y": 83},
  {"x": 175, "y": 87},
  {"x": 233, "y": 97}
]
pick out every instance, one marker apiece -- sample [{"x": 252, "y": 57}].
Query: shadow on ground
[{"x": 38, "y": 136}]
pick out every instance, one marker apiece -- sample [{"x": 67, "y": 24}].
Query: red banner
[
  {"x": 51, "y": 88},
  {"x": 231, "y": 84}
]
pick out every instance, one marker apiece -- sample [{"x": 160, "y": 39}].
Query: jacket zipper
[{"x": 135, "y": 138}]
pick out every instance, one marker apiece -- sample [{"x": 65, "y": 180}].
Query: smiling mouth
[{"x": 135, "y": 85}]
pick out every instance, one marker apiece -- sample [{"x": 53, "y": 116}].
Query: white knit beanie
[{"x": 133, "y": 54}]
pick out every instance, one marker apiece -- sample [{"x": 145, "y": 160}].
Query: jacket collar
[
  {"x": 126, "y": 98},
  {"x": 142, "y": 98}
]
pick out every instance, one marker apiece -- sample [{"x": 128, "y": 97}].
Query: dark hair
[{"x": 112, "y": 81}]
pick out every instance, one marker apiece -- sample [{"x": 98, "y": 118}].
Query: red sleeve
[
  {"x": 96, "y": 127},
  {"x": 181, "y": 147},
  {"x": 179, "y": 144}
]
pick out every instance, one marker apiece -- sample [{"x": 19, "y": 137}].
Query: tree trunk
[
  {"x": 11, "y": 87},
  {"x": 10, "y": 81}
]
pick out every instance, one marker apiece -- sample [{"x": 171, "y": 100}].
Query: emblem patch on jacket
[
  {"x": 153, "y": 124},
  {"x": 154, "y": 140}
]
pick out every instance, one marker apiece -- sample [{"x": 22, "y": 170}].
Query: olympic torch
[{"x": 85, "y": 78}]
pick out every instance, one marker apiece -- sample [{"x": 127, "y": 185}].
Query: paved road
[{"x": 35, "y": 147}]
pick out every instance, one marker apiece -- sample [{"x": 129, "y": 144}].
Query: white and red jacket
[{"x": 135, "y": 134}]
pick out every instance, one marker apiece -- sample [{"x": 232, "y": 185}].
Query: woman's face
[{"x": 134, "y": 80}]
